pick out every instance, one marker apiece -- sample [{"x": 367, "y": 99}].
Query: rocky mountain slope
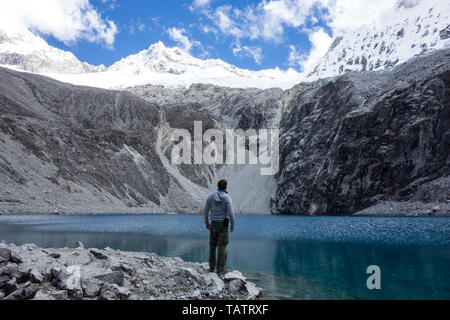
[
  {"x": 354, "y": 140},
  {"x": 347, "y": 143},
  {"x": 412, "y": 28}
]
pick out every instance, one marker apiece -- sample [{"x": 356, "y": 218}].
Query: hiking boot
[
  {"x": 223, "y": 272},
  {"x": 211, "y": 270}
]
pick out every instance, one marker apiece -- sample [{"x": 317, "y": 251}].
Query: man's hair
[{"x": 222, "y": 185}]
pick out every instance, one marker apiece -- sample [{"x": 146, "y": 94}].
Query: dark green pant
[{"x": 218, "y": 237}]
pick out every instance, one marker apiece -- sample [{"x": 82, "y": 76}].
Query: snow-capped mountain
[
  {"x": 413, "y": 28},
  {"x": 174, "y": 67},
  {"x": 159, "y": 58},
  {"x": 26, "y": 51}
]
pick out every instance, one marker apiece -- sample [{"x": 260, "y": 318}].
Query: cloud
[
  {"x": 201, "y": 3},
  {"x": 344, "y": 15},
  {"x": 268, "y": 21},
  {"x": 254, "y": 53},
  {"x": 320, "y": 43},
  {"x": 67, "y": 21},
  {"x": 180, "y": 37}
]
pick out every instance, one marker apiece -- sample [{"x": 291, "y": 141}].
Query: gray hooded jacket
[{"x": 219, "y": 203}]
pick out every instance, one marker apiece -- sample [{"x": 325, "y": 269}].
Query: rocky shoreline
[{"x": 30, "y": 272}]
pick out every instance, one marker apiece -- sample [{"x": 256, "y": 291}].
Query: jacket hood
[{"x": 219, "y": 196}]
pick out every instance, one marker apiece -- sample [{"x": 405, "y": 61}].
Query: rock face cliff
[
  {"x": 80, "y": 149},
  {"x": 351, "y": 141},
  {"x": 346, "y": 143}
]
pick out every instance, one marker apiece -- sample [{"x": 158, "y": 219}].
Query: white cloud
[
  {"x": 268, "y": 20},
  {"x": 320, "y": 43},
  {"x": 67, "y": 21},
  {"x": 254, "y": 53},
  {"x": 351, "y": 14},
  {"x": 180, "y": 37},
  {"x": 201, "y": 3}
]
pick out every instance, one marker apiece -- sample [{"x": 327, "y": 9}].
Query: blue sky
[
  {"x": 251, "y": 34},
  {"x": 141, "y": 23}
]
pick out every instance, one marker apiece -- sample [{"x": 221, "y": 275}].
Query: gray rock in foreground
[{"x": 78, "y": 274}]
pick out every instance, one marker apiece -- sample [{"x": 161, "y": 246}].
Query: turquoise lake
[{"x": 290, "y": 257}]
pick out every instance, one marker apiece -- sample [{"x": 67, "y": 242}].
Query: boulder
[
  {"x": 91, "y": 287},
  {"x": 15, "y": 258},
  {"x": 234, "y": 275},
  {"x": 79, "y": 244},
  {"x": 10, "y": 286},
  {"x": 237, "y": 287},
  {"x": 67, "y": 278},
  {"x": 123, "y": 267},
  {"x": 113, "y": 292},
  {"x": 28, "y": 291},
  {"x": 60, "y": 295},
  {"x": 253, "y": 291},
  {"x": 55, "y": 255},
  {"x": 12, "y": 270},
  {"x": 5, "y": 253},
  {"x": 98, "y": 254},
  {"x": 41, "y": 295},
  {"x": 116, "y": 277},
  {"x": 36, "y": 276}
]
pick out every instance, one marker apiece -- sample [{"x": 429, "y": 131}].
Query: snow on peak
[
  {"x": 157, "y": 58},
  {"x": 26, "y": 51},
  {"x": 175, "y": 68},
  {"x": 161, "y": 59},
  {"x": 413, "y": 27}
]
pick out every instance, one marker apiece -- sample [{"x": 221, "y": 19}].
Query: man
[{"x": 219, "y": 210}]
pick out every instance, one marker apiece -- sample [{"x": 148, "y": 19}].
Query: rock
[
  {"x": 236, "y": 287},
  {"x": 116, "y": 277},
  {"x": 2, "y": 295},
  {"x": 123, "y": 267},
  {"x": 67, "y": 278},
  {"x": 113, "y": 292},
  {"x": 12, "y": 270},
  {"x": 3, "y": 279},
  {"x": 216, "y": 283},
  {"x": 55, "y": 255},
  {"x": 3, "y": 260},
  {"x": 41, "y": 295},
  {"x": 98, "y": 254},
  {"x": 60, "y": 295},
  {"x": 91, "y": 287},
  {"x": 15, "y": 258},
  {"x": 28, "y": 291},
  {"x": 141, "y": 257},
  {"x": 334, "y": 157},
  {"x": 79, "y": 244},
  {"x": 190, "y": 273},
  {"x": 5, "y": 253},
  {"x": 36, "y": 276},
  {"x": 436, "y": 208},
  {"x": 10, "y": 286},
  {"x": 234, "y": 275},
  {"x": 253, "y": 291}
]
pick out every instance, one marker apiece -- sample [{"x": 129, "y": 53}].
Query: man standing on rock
[{"x": 219, "y": 210}]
